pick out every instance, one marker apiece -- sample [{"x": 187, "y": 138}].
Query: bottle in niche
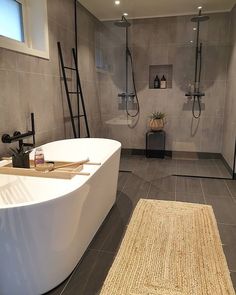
[
  {"x": 38, "y": 156},
  {"x": 163, "y": 82},
  {"x": 157, "y": 82}
]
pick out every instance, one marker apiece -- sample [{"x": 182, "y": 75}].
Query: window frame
[{"x": 26, "y": 46}]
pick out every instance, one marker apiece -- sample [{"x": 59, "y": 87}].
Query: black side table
[{"x": 155, "y": 144}]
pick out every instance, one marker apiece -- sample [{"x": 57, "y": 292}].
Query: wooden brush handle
[{"x": 68, "y": 165}]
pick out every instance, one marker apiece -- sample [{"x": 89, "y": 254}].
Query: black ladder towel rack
[{"x": 78, "y": 92}]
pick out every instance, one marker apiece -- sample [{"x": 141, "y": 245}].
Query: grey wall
[
  {"x": 88, "y": 26},
  {"x": 167, "y": 41},
  {"x": 230, "y": 108},
  {"x": 30, "y": 84}
]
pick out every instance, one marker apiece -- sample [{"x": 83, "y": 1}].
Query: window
[
  {"x": 11, "y": 20},
  {"x": 24, "y": 26}
]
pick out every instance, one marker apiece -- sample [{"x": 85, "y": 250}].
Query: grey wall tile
[{"x": 167, "y": 41}]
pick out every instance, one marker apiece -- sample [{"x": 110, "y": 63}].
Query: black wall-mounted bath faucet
[{"x": 18, "y": 136}]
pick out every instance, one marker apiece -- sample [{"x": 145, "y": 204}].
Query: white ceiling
[{"x": 107, "y": 10}]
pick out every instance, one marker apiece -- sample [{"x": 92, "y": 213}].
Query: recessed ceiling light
[
  {"x": 191, "y": 41},
  {"x": 117, "y": 2},
  {"x": 195, "y": 29},
  {"x": 199, "y": 7},
  {"x": 125, "y": 14}
]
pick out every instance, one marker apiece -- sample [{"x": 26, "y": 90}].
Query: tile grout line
[
  {"x": 68, "y": 281},
  {"x": 230, "y": 193},
  {"x": 126, "y": 181},
  {"x": 228, "y": 224},
  {"x": 102, "y": 251},
  {"x": 203, "y": 193},
  {"x": 148, "y": 190},
  {"x": 175, "y": 188},
  {"x": 77, "y": 266}
]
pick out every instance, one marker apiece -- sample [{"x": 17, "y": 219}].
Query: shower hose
[{"x": 134, "y": 85}]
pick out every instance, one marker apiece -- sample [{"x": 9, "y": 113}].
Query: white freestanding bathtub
[{"x": 47, "y": 224}]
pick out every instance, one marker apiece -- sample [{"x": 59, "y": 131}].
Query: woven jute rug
[{"x": 170, "y": 248}]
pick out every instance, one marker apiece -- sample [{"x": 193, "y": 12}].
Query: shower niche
[{"x": 160, "y": 70}]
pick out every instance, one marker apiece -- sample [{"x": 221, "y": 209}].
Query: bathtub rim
[{"x": 61, "y": 195}]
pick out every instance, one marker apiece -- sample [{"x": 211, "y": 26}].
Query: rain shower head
[
  {"x": 200, "y": 18},
  {"x": 123, "y": 23}
]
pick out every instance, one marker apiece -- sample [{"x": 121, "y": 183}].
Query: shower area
[{"x": 194, "y": 53}]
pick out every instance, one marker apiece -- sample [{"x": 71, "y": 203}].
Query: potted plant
[
  {"x": 20, "y": 158},
  {"x": 156, "y": 121}
]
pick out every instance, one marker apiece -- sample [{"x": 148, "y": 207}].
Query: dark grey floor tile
[
  {"x": 228, "y": 239},
  {"x": 136, "y": 188},
  {"x": 123, "y": 177},
  {"x": 230, "y": 253},
  {"x": 187, "y": 169},
  {"x": 110, "y": 234},
  {"x": 215, "y": 187},
  {"x": 223, "y": 169},
  {"x": 82, "y": 273},
  {"x": 130, "y": 162},
  {"x": 188, "y": 185},
  {"x": 167, "y": 167},
  {"x": 165, "y": 184},
  {"x": 132, "y": 185},
  {"x": 190, "y": 197},
  {"x": 208, "y": 171},
  {"x": 156, "y": 194},
  {"x": 58, "y": 290},
  {"x": 228, "y": 234},
  {"x": 90, "y": 274},
  {"x": 224, "y": 208},
  {"x": 232, "y": 186},
  {"x": 143, "y": 190},
  {"x": 125, "y": 206},
  {"x": 150, "y": 171},
  {"x": 206, "y": 162},
  {"x": 233, "y": 278}
]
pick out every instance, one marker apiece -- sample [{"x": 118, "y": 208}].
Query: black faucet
[{"x": 18, "y": 136}]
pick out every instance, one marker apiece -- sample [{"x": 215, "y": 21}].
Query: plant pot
[
  {"x": 156, "y": 124},
  {"x": 21, "y": 161}
]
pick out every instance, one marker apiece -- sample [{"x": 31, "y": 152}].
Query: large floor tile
[
  {"x": 208, "y": 171},
  {"x": 190, "y": 197},
  {"x": 156, "y": 193},
  {"x": 224, "y": 208},
  {"x": 165, "y": 184},
  {"x": 134, "y": 189},
  {"x": 188, "y": 185},
  {"x": 58, "y": 290},
  {"x": 215, "y": 187},
  {"x": 232, "y": 186},
  {"x": 111, "y": 232},
  {"x": 123, "y": 178},
  {"x": 90, "y": 274},
  {"x": 233, "y": 278},
  {"x": 187, "y": 169},
  {"x": 223, "y": 169},
  {"x": 228, "y": 234},
  {"x": 230, "y": 254}
]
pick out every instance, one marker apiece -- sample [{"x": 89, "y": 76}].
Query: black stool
[{"x": 155, "y": 144}]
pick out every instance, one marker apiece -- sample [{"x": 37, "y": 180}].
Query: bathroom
[{"x": 120, "y": 96}]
